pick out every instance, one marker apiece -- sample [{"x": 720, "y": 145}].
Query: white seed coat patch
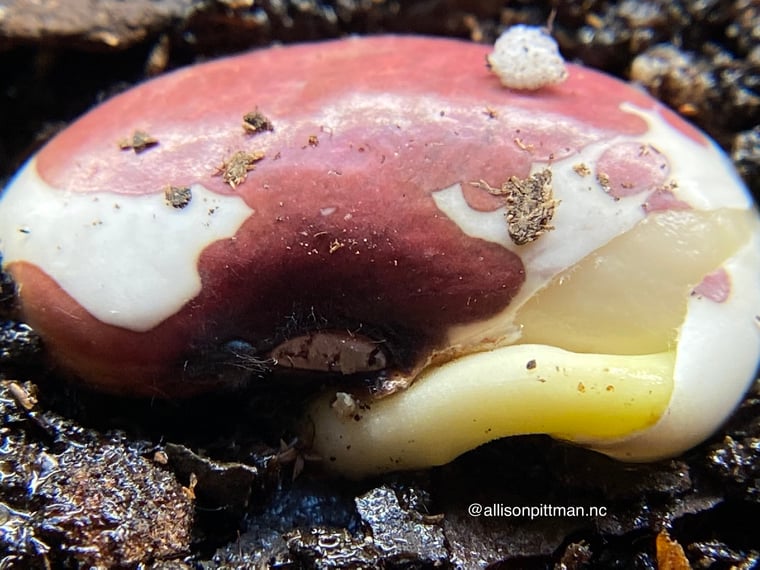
[{"x": 131, "y": 261}]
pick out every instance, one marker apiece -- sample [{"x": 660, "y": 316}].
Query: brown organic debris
[
  {"x": 138, "y": 142},
  {"x": 717, "y": 554},
  {"x": 235, "y": 169},
  {"x": 25, "y": 396},
  {"x": 219, "y": 484},
  {"x": 189, "y": 491},
  {"x": 581, "y": 169},
  {"x": 670, "y": 554},
  {"x": 576, "y": 555},
  {"x": 522, "y": 145},
  {"x": 178, "y": 196},
  {"x": 323, "y": 547},
  {"x": 256, "y": 122},
  {"x": 530, "y": 205},
  {"x": 295, "y": 453},
  {"x": 158, "y": 58},
  {"x": 335, "y": 245},
  {"x": 604, "y": 181}
]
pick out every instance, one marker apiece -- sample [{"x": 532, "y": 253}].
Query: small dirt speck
[
  {"x": 335, "y": 245},
  {"x": 256, "y": 122},
  {"x": 178, "y": 196},
  {"x": 604, "y": 181},
  {"x": 530, "y": 205},
  {"x": 523, "y": 145},
  {"x": 235, "y": 169},
  {"x": 26, "y": 398},
  {"x": 581, "y": 169},
  {"x": 138, "y": 142}
]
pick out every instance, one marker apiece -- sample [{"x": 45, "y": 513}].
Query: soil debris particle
[
  {"x": 235, "y": 169},
  {"x": 395, "y": 533},
  {"x": 715, "y": 554},
  {"x": 530, "y": 205},
  {"x": 522, "y": 145},
  {"x": 139, "y": 141},
  {"x": 577, "y": 555},
  {"x": 27, "y": 399},
  {"x": 256, "y": 122},
  {"x": 7, "y": 293},
  {"x": 158, "y": 58},
  {"x": 735, "y": 460},
  {"x": 322, "y": 547},
  {"x": 217, "y": 484},
  {"x": 335, "y": 245},
  {"x": 670, "y": 554},
  {"x": 604, "y": 181},
  {"x": 527, "y": 58},
  {"x": 178, "y": 196},
  {"x": 581, "y": 169},
  {"x": 745, "y": 153}
]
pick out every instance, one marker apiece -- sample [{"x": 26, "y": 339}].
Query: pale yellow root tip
[{"x": 514, "y": 390}]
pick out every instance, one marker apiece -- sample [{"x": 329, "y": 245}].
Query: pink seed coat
[{"x": 342, "y": 224}]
